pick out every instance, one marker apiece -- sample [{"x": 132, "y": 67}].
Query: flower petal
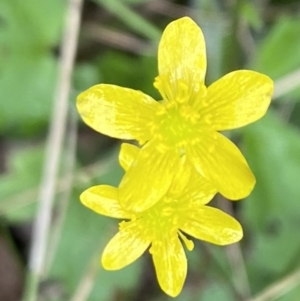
[
  {"x": 148, "y": 178},
  {"x": 198, "y": 192},
  {"x": 237, "y": 99},
  {"x": 181, "y": 177},
  {"x": 117, "y": 112},
  {"x": 103, "y": 199},
  {"x": 213, "y": 225},
  {"x": 170, "y": 264},
  {"x": 125, "y": 247},
  {"x": 127, "y": 155},
  {"x": 181, "y": 57},
  {"x": 222, "y": 163}
]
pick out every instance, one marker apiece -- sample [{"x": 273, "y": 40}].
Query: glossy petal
[
  {"x": 125, "y": 247},
  {"x": 199, "y": 191},
  {"x": 103, "y": 199},
  {"x": 237, "y": 99},
  {"x": 181, "y": 178},
  {"x": 170, "y": 265},
  {"x": 221, "y": 162},
  {"x": 181, "y": 57},
  {"x": 148, "y": 178},
  {"x": 117, "y": 112},
  {"x": 127, "y": 155},
  {"x": 213, "y": 225}
]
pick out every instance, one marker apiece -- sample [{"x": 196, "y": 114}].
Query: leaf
[
  {"x": 272, "y": 149},
  {"x": 250, "y": 12},
  {"x": 131, "y": 18},
  {"x": 277, "y": 54},
  {"x": 26, "y": 85},
  {"x": 85, "y": 76},
  {"x": 216, "y": 291},
  {"x": 24, "y": 172},
  {"x": 127, "y": 71},
  {"x": 28, "y": 34},
  {"x": 32, "y": 16},
  {"x": 289, "y": 295}
]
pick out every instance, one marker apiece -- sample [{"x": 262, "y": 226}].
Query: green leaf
[
  {"x": 134, "y": 1},
  {"x": 278, "y": 53},
  {"x": 24, "y": 172},
  {"x": 272, "y": 148},
  {"x": 250, "y": 12},
  {"x": 28, "y": 34},
  {"x": 131, "y": 18},
  {"x": 124, "y": 70},
  {"x": 216, "y": 291},
  {"x": 290, "y": 295},
  {"x": 85, "y": 76},
  {"x": 32, "y": 16},
  {"x": 26, "y": 85}
]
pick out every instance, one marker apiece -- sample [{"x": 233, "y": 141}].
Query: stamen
[
  {"x": 163, "y": 85},
  {"x": 182, "y": 92}
]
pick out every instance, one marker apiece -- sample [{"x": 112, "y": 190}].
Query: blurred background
[{"x": 118, "y": 44}]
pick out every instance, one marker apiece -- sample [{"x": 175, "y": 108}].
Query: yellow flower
[
  {"x": 187, "y": 120},
  {"x": 182, "y": 208}
]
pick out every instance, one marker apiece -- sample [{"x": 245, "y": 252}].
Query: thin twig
[
  {"x": 62, "y": 204},
  {"x": 236, "y": 260},
  {"x": 117, "y": 39},
  {"x": 279, "y": 288},
  {"x": 53, "y": 151},
  {"x": 286, "y": 110},
  {"x": 287, "y": 83},
  {"x": 170, "y": 9}
]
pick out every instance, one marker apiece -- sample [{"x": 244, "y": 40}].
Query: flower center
[
  {"x": 161, "y": 222},
  {"x": 163, "y": 216},
  {"x": 176, "y": 124}
]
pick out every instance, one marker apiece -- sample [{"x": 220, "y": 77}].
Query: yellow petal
[
  {"x": 103, "y": 199},
  {"x": 213, "y": 225},
  {"x": 148, "y": 178},
  {"x": 221, "y": 162},
  {"x": 181, "y": 58},
  {"x": 237, "y": 99},
  {"x": 117, "y": 112},
  {"x": 125, "y": 247},
  {"x": 170, "y": 265},
  {"x": 199, "y": 191},
  {"x": 127, "y": 155},
  {"x": 181, "y": 177}
]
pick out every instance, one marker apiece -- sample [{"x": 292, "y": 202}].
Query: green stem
[{"x": 31, "y": 287}]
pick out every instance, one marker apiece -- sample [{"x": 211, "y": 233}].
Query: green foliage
[
  {"x": 126, "y": 70},
  {"x": 28, "y": 35},
  {"x": 130, "y": 18},
  {"x": 267, "y": 144},
  {"x": 24, "y": 172},
  {"x": 216, "y": 292},
  {"x": 270, "y": 210},
  {"x": 250, "y": 13},
  {"x": 276, "y": 54}
]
